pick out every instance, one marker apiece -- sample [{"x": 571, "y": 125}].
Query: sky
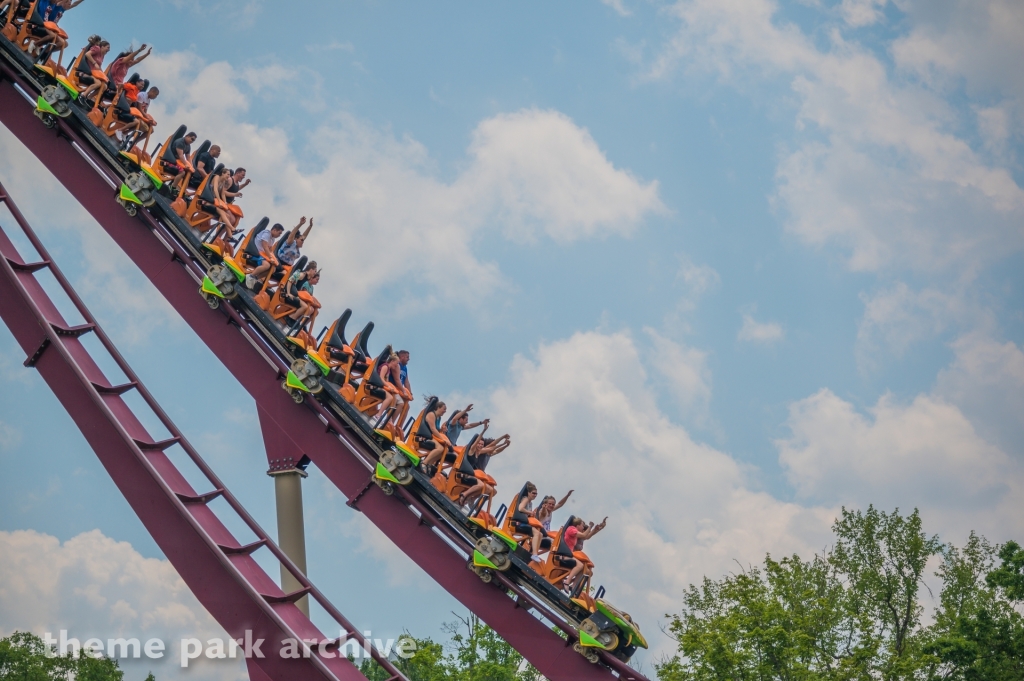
[{"x": 722, "y": 267}]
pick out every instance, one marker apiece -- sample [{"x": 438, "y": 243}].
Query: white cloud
[
  {"x": 862, "y": 12},
  {"x": 10, "y": 436},
  {"x": 619, "y": 6},
  {"x": 117, "y": 292},
  {"x": 376, "y": 197},
  {"x": 95, "y": 587},
  {"x": 759, "y": 332},
  {"x": 685, "y": 372},
  {"x": 986, "y": 380},
  {"x": 875, "y": 169},
  {"x": 898, "y": 317},
  {"x": 583, "y": 415},
  {"x": 924, "y": 454},
  {"x": 541, "y": 170},
  {"x": 974, "y": 43}
]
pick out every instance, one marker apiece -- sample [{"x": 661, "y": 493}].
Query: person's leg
[
  {"x": 571, "y": 578},
  {"x": 433, "y": 455},
  {"x": 261, "y": 270},
  {"x": 535, "y": 543}
]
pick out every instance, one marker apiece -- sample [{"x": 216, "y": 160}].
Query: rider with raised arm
[
  {"x": 573, "y": 537},
  {"x": 459, "y": 422}
]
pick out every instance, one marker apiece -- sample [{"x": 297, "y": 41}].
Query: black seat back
[
  {"x": 375, "y": 380},
  {"x": 517, "y": 515},
  {"x": 468, "y": 465},
  {"x": 296, "y": 266},
  {"x": 123, "y": 105},
  {"x": 250, "y": 246},
  {"x": 424, "y": 430},
  {"x": 168, "y": 154},
  {"x": 203, "y": 148},
  {"x": 562, "y": 549},
  {"x": 364, "y": 335},
  {"x": 337, "y": 340}
]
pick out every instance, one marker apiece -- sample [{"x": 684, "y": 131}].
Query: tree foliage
[
  {"x": 24, "y": 657},
  {"x": 473, "y": 653},
  {"x": 855, "y": 613}
]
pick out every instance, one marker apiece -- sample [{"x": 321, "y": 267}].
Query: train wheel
[
  {"x": 386, "y": 487},
  {"x": 48, "y": 120},
  {"x": 213, "y": 302}
]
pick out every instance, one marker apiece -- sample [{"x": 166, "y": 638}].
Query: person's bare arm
[
  {"x": 593, "y": 529},
  {"x": 561, "y": 503},
  {"x": 308, "y": 229},
  {"x": 295, "y": 232}
]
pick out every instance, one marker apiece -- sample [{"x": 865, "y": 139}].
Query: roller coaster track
[
  {"x": 87, "y": 165},
  {"x": 221, "y": 571}
]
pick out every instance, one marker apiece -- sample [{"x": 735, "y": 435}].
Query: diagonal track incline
[{"x": 89, "y": 171}]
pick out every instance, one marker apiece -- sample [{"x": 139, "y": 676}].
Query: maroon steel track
[
  {"x": 343, "y": 458},
  {"x": 217, "y": 568}
]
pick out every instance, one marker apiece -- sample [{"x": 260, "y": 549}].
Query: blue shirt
[
  {"x": 288, "y": 252},
  {"x": 404, "y": 370},
  {"x": 454, "y": 431}
]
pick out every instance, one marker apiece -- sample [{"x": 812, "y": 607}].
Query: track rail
[
  {"x": 216, "y": 566},
  {"x": 87, "y": 167}
]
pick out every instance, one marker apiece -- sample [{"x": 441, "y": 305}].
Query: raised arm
[
  {"x": 561, "y": 503},
  {"x": 295, "y": 232},
  {"x": 308, "y": 229},
  {"x": 593, "y": 529}
]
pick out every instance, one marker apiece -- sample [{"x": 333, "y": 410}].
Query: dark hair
[
  {"x": 277, "y": 225},
  {"x": 402, "y": 352},
  {"x": 487, "y": 440},
  {"x": 530, "y": 487},
  {"x": 311, "y": 266},
  {"x": 191, "y": 134},
  {"x": 239, "y": 170},
  {"x": 155, "y": 90},
  {"x": 94, "y": 40}
]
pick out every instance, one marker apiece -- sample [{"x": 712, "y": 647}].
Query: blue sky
[{"x": 721, "y": 267}]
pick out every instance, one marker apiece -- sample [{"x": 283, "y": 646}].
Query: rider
[
  {"x": 91, "y": 66},
  {"x": 573, "y": 537},
  {"x": 206, "y": 163},
  {"x": 266, "y": 262},
  {"x": 525, "y": 508},
  {"x": 181, "y": 149},
  {"x": 488, "y": 448},
  {"x": 288, "y": 248},
  {"x": 290, "y": 295},
  {"x": 430, "y": 437},
  {"x": 459, "y": 422},
  {"x": 123, "y": 62}
]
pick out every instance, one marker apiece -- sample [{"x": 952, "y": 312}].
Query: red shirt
[
  {"x": 118, "y": 71},
  {"x": 570, "y": 537}
]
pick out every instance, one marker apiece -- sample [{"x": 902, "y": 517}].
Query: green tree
[
  {"x": 883, "y": 557},
  {"x": 24, "y": 657},
  {"x": 474, "y": 652},
  {"x": 852, "y": 613},
  {"x": 978, "y": 635}
]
